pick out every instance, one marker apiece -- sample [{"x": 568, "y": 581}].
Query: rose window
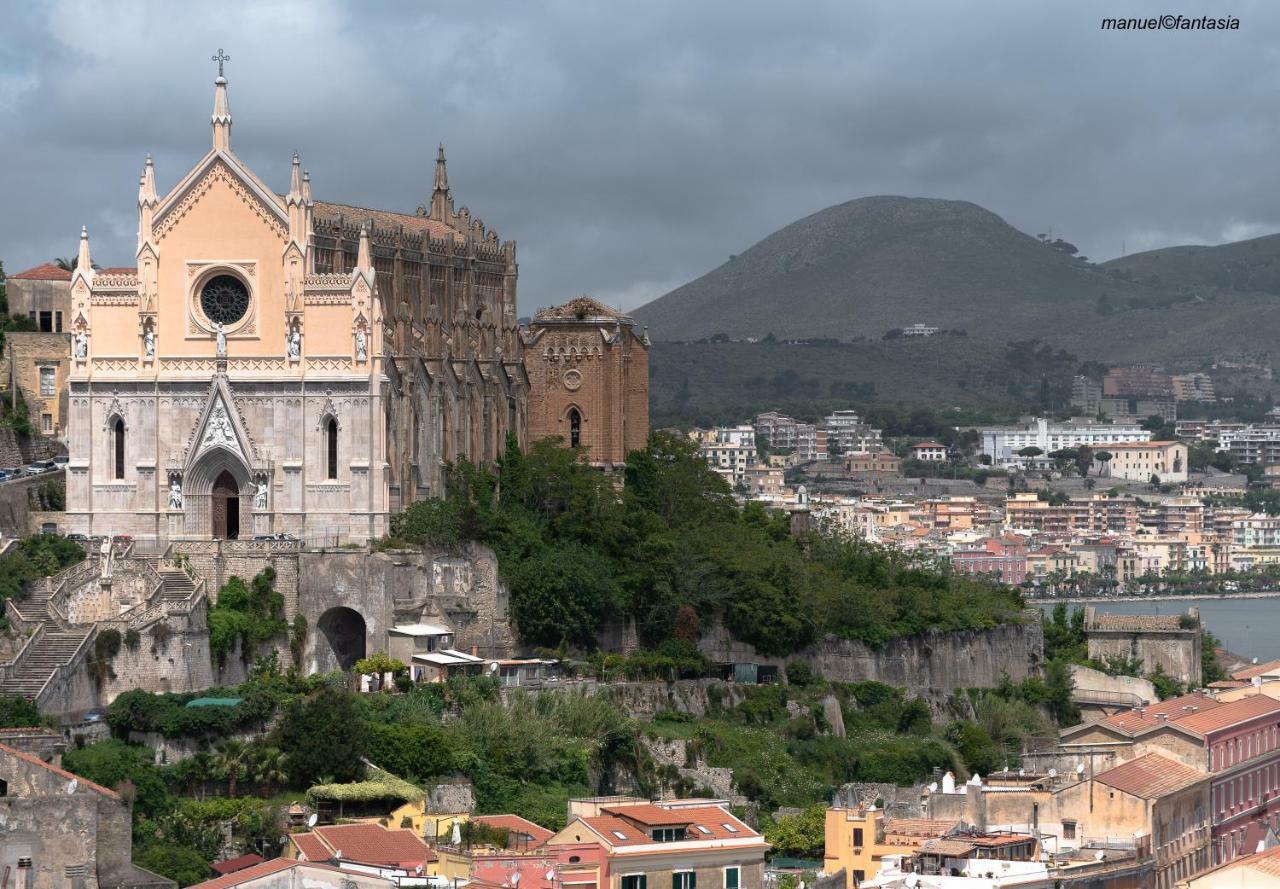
[{"x": 224, "y": 299}]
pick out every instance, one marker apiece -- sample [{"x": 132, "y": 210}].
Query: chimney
[{"x": 1163, "y": 717}]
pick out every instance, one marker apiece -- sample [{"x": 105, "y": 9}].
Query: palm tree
[
  {"x": 233, "y": 762},
  {"x": 269, "y": 767},
  {"x": 67, "y": 265}
]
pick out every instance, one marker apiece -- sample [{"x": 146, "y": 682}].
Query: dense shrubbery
[
  {"x": 672, "y": 543},
  {"x": 246, "y": 615}
]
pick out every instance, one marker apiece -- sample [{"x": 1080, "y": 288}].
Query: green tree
[
  {"x": 182, "y": 864},
  {"x": 798, "y": 836},
  {"x": 322, "y": 736}
]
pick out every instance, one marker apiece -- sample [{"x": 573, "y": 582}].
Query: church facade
[{"x": 279, "y": 364}]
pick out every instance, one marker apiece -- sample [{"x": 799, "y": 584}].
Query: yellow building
[
  {"x": 428, "y": 825},
  {"x": 857, "y": 839}
]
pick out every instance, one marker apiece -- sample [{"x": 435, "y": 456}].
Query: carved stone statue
[
  {"x": 219, "y": 431},
  {"x": 149, "y": 342},
  {"x": 175, "y": 492},
  {"x": 361, "y": 345},
  {"x": 104, "y": 559},
  {"x": 293, "y": 342},
  {"x": 81, "y": 345},
  {"x": 260, "y": 496},
  {"x": 221, "y": 341}
]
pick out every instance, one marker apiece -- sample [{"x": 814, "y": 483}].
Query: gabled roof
[
  {"x": 265, "y": 869},
  {"x": 582, "y": 308},
  {"x": 1230, "y": 714},
  {"x": 1257, "y": 670},
  {"x": 240, "y": 862},
  {"x": 1151, "y": 777},
  {"x": 650, "y": 815},
  {"x": 60, "y": 772},
  {"x": 1131, "y": 722},
  {"x": 44, "y": 272},
  {"x": 367, "y": 843},
  {"x": 389, "y": 219}
]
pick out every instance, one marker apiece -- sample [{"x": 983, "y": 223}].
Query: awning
[{"x": 422, "y": 630}]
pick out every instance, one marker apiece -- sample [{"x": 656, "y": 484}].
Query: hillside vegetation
[{"x": 672, "y": 551}]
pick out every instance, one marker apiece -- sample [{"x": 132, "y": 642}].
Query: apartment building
[
  {"x": 1001, "y": 558},
  {"x": 1002, "y": 443},
  {"x": 929, "y": 452},
  {"x": 1257, "y": 444},
  {"x": 857, "y": 839},
  {"x": 1094, "y": 514},
  {"x": 848, "y": 433}
]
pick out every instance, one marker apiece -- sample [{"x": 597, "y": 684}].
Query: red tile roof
[
  {"x": 516, "y": 825},
  {"x": 369, "y": 843},
  {"x": 46, "y": 272},
  {"x": 610, "y": 827},
  {"x": 1228, "y": 715},
  {"x": 62, "y": 773},
  {"x": 650, "y": 815},
  {"x": 386, "y": 219},
  {"x": 311, "y": 847},
  {"x": 1134, "y": 721},
  {"x": 256, "y": 871},
  {"x": 231, "y": 865},
  {"x": 1151, "y": 777},
  {"x": 1257, "y": 670}
]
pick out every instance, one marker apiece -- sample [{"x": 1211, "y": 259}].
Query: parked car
[
  {"x": 41, "y": 466},
  {"x": 10, "y": 471},
  {"x": 77, "y": 538},
  {"x": 122, "y": 539},
  {"x": 33, "y": 469},
  {"x": 5, "y": 475},
  {"x": 61, "y": 461}
]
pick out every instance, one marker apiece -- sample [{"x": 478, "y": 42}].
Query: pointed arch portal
[
  {"x": 225, "y": 507},
  {"x": 217, "y": 492}
]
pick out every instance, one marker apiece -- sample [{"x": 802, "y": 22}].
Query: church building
[{"x": 277, "y": 363}]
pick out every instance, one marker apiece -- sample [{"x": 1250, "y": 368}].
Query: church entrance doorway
[{"x": 225, "y": 507}]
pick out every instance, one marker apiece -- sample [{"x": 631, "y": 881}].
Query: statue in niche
[
  {"x": 149, "y": 342},
  {"x": 260, "y": 493},
  {"x": 221, "y": 337},
  {"x": 82, "y": 345},
  {"x": 293, "y": 342},
  {"x": 361, "y": 344},
  {"x": 175, "y": 491}
]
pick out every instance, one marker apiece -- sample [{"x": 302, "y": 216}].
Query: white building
[
  {"x": 729, "y": 459},
  {"x": 848, "y": 432},
  {"x": 929, "y": 452},
  {"x": 1255, "y": 531},
  {"x": 1002, "y": 443},
  {"x": 920, "y": 330},
  {"x": 1138, "y": 461}
]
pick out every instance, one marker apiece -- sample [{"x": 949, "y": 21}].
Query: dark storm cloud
[{"x": 629, "y": 147}]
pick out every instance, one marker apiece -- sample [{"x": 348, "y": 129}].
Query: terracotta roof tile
[
  {"x": 369, "y": 843},
  {"x": 240, "y": 862},
  {"x": 1230, "y": 714},
  {"x": 265, "y": 869},
  {"x": 386, "y": 219},
  {"x": 46, "y": 272},
  {"x": 1257, "y": 670},
  {"x": 650, "y": 815},
  {"x": 1175, "y": 709},
  {"x": 1151, "y": 777},
  {"x": 916, "y": 828},
  {"x": 1135, "y": 622},
  {"x": 616, "y": 831},
  {"x": 119, "y": 270},
  {"x": 311, "y": 847}
]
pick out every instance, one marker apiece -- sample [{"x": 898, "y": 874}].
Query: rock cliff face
[{"x": 934, "y": 662}]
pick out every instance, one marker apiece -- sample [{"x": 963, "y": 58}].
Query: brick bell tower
[{"x": 588, "y": 380}]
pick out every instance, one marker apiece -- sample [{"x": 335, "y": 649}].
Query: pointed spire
[
  {"x": 295, "y": 181},
  {"x": 84, "y": 262},
  {"x": 363, "y": 261},
  {"x": 441, "y": 200},
  {"x": 306, "y": 187},
  {"x": 221, "y": 115},
  {"x": 147, "y": 184}
]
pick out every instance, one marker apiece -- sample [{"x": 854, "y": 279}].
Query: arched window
[
  {"x": 117, "y": 437},
  {"x": 575, "y": 428},
  {"x": 331, "y": 447}
]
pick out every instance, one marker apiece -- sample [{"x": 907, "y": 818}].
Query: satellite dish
[
  {"x": 493, "y": 667},
  {"x": 1080, "y": 769},
  {"x": 1053, "y": 773},
  {"x": 312, "y": 819},
  {"x": 550, "y": 876},
  {"x": 515, "y": 879},
  {"x": 72, "y": 786},
  {"x": 337, "y": 855}
]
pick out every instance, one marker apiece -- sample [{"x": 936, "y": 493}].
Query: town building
[
  {"x": 38, "y": 364},
  {"x": 285, "y": 873},
  {"x": 365, "y": 848},
  {"x": 276, "y": 363},
  {"x": 928, "y": 452},
  {"x": 588, "y": 372},
  {"x": 882, "y": 462},
  {"x": 1255, "y": 444},
  {"x": 1193, "y": 387},
  {"x": 856, "y": 840},
  {"x": 1003, "y": 443},
  {"x": 1168, "y": 641},
  {"x": 63, "y": 830},
  {"x": 43, "y": 295},
  {"x": 1256, "y": 870},
  {"x": 847, "y": 433},
  {"x": 920, "y": 329},
  {"x": 681, "y": 844},
  {"x": 1140, "y": 461},
  {"x": 1003, "y": 559}
]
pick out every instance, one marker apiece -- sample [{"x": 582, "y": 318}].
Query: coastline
[{"x": 1163, "y": 597}]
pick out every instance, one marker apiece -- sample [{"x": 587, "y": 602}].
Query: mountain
[
  {"x": 873, "y": 264},
  {"x": 1251, "y": 266}
]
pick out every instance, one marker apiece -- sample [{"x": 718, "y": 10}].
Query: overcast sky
[{"x": 630, "y": 147}]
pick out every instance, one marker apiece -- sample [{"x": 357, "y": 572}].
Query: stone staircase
[
  {"x": 177, "y": 585},
  {"x": 52, "y": 649},
  {"x": 35, "y": 606}
]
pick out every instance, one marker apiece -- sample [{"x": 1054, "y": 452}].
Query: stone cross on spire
[
  {"x": 221, "y": 107},
  {"x": 220, "y": 58},
  {"x": 441, "y": 200}
]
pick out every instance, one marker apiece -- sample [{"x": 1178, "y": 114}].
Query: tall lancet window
[
  {"x": 117, "y": 441},
  {"x": 575, "y": 428},
  {"x": 331, "y": 447}
]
